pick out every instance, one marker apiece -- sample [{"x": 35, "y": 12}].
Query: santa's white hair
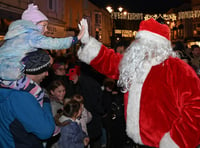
[{"x": 148, "y": 49}]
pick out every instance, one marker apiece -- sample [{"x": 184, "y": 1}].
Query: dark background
[{"x": 144, "y": 6}]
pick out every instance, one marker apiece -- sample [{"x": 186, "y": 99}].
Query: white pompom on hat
[{"x": 32, "y": 13}]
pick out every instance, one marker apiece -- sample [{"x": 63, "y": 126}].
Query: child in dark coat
[{"x": 72, "y": 135}]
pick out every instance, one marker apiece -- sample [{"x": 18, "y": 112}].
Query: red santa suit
[{"x": 164, "y": 111}]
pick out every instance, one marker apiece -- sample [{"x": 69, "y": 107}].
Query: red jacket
[{"x": 165, "y": 110}]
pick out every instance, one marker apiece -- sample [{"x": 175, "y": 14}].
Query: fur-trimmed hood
[{"x": 19, "y": 27}]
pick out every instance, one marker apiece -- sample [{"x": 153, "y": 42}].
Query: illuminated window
[{"x": 98, "y": 19}]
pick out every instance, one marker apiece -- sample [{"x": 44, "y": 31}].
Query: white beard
[{"x": 141, "y": 55}]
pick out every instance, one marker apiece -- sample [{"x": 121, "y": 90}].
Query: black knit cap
[{"x": 36, "y": 62}]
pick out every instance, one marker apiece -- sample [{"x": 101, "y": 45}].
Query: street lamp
[
  {"x": 120, "y": 9},
  {"x": 120, "y": 15},
  {"x": 109, "y": 9}
]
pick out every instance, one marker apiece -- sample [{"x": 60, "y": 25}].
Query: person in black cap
[
  {"x": 36, "y": 64},
  {"x": 25, "y": 123}
]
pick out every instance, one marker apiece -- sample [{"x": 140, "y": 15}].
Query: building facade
[
  {"x": 186, "y": 28},
  {"x": 11, "y": 10},
  {"x": 64, "y": 16}
]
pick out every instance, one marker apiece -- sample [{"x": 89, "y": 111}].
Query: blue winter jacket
[
  {"x": 23, "y": 37},
  {"x": 23, "y": 123}
]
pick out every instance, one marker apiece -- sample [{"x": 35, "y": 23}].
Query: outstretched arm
[
  {"x": 40, "y": 41},
  {"x": 101, "y": 58},
  {"x": 104, "y": 60}
]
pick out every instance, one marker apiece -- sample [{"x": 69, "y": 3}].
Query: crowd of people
[
  {"x": 142, "y": 94},
  {"x": 189, "y": 55}
]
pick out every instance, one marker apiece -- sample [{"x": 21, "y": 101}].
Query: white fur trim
[
  {"x": 64, "y": 118},
  {"x": 133, "y": 108},
  {"x": 89, "y": 51},
  {"x": 167, "y": 142},
  {"x": 152, "y": 36}
]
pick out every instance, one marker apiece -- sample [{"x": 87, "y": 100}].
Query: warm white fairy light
[
  {"x": 189, "y": 14},
  {"x": 140, "y": 16}
]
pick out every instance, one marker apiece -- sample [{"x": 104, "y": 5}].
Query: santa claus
[{"x": 162, "y": 99}]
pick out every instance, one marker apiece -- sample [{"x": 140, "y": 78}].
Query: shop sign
[
  {"x": 56, "y": 31},
  {"x": 189, "y": 14}
]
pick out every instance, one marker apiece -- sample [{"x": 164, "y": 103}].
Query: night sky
[{"x": 144, "y": 6}]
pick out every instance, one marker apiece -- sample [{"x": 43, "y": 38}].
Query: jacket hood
[{"x": 19, "y": 27}]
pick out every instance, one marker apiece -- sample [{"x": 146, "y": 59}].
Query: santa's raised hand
[{"x": 85, "y": 38}]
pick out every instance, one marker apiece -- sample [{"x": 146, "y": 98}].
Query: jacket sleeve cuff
[
  {"x": 89, "y": 51},
  {"x": 167, "y": 142},
  {"x": 75, "y": 40}
]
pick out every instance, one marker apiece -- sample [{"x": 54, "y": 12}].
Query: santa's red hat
[{"x": 152, "y": 27}]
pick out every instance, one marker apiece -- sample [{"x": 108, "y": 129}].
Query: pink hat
[
  {"x": 33, "y": 14},
  {"x": 152, "y": 26}
]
